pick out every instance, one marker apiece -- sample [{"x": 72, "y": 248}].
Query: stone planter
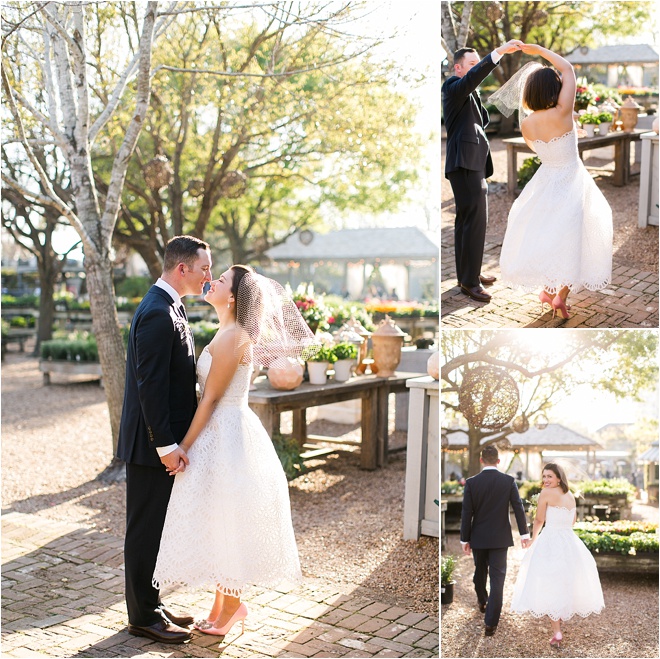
[
  {"x": 615, "y": 562},
  {"x": 318, "y": 372},
  {"x": 387, "y": 341},
  {"x": 48, "y": 366},
  {"x": 343, "y": 369}
]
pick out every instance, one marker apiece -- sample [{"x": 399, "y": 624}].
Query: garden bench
[{"x": 19, "y": 337}]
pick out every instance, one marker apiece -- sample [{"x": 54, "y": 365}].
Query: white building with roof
[{"x": 379, "y": 262}]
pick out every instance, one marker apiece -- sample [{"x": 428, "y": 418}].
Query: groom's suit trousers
[
  {"x": 493, "y": 562},
  {"x": 470, "y": 193}
]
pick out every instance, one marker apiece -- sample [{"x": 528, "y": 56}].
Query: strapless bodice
[
  {"x": 560, "y": 151},
  {"x": 559, "y": 517},
  {"x": 238, "y": 389}
]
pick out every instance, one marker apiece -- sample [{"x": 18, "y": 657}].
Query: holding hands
[{"x": 510, "y": 47}]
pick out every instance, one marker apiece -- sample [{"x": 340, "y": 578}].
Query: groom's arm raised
[{"x": 477, "y": 74}]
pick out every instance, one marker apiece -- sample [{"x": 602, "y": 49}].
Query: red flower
[{"x": 331, "y": 320}]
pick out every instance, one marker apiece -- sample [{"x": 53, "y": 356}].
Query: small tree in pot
[
  {"x": 346, "y": 354},
  {"x": 447, "y": 566}
]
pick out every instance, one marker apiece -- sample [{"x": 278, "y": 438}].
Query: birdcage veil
[
  {"x": 268, "y": 320},
  {"x": 509, "y": 97}
]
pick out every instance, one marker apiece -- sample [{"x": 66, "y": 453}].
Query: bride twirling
[{"x": 559, "y": 231}]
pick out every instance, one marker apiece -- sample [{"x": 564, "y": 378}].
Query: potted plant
[
  {"x": 346, "y": 354},
  {"x": 605, "y": 119},
  {"x": 317, "y": 365},
  {"x": 527, "y": 170},
  {"x": 589, "y": 123},
  {"x": 447, "y": 567}
]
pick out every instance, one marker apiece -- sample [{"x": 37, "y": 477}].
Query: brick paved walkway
[
  {"x": 62, "y": 596},
  {"x": 631, "y": 300}
]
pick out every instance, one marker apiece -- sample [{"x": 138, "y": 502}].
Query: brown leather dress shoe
[
  {"x": 490, "y": 631},
  {"x": 180, "y": 621},
  {"x": 487, "y": 281},
  {"x": 476, "y": 293},
  {"x": 162, "y": 631}
]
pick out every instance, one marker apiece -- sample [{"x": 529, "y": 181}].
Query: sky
[{"x": 416, "y": 47}]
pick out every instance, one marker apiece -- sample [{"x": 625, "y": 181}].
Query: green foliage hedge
[
  {"x": 288, "y": 451},
  {"x": 451, "y": 487},
  {"x": 625, "y": 537},
  {"x": 9, "y": 301},
  {"x": 81, "y": 348}
]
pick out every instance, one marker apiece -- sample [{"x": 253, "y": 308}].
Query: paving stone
[{"x": 428, "y": 642}]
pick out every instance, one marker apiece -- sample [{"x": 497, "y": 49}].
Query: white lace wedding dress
[
  {"x": 558, "y": 575},
  {"x": 559, "y": 231},
  {"x": 228, "y": 522}
]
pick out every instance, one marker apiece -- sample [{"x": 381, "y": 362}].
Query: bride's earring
[{"x": 228, "y": 305}]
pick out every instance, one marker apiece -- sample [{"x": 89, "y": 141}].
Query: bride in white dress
[
  {"x": 559, "y": 231},
  {"x": 228, "y": 522},
  {"x": 558, "y": 576}
]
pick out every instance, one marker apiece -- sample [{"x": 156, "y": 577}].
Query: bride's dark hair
[
  {"x": 542, "y": 89},
  {"x": 559, "y": 472}
]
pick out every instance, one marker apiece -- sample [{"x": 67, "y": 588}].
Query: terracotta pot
[
  {"x": 387, "y": 341},
  {"x": 285, "y": 374},
  {"x": 629, "y": 111}
]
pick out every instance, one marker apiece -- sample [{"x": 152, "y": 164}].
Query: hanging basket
[
  {"x": 233, "y": 185},
  {"x": 541, "y": 421},
  {"x": 520, "y": 424},
  {"x": 196, "y": 188},
  {"x": 488, "y": 397},
  {"x": 158, "y": 173}
]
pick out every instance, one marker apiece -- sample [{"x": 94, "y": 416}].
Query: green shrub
[
  {"x": 203, "y": 331},
  {"x": 447, "y": 566},
  {"x": 133, "y": 287},
  {"x": 288, "y": 451},
  {"x": 18, "y": 321},
  {"x": 82, "y": 349},
  {"x": 612, "y": 487},
  {"x": 528, "y": 489},
  {"x": 345, "y": 351},
  {"x": 5, "y": 328},
  {"x": 30, "y": 301},
  {"x": 527, "y": 170},
  {"x": 589, "y": 119},
  {"x": 451, "y": 487},
  {"x": 604, "y": 117},
  {"x": 321, "y": 354}
]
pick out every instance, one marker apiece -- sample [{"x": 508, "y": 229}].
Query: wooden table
[
  {"x": 268, "y": 404},
  {"x": 620, "y": 140}
]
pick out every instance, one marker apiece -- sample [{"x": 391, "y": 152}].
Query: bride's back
[{"x": 545, "y": 125}]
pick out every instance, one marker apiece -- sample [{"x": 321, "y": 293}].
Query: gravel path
[
  {"x": 348, "y": 522},
  {"x": 628, "y": 627}
]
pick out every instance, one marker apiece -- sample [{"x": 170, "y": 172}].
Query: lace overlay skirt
[{"x": 228, "y": 522}]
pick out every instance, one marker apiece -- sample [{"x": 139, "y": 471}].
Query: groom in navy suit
[
  {"x": 468, "y": 163},
  {"x": 159, "y": 404},
  {"x": 486, "y": 531}
]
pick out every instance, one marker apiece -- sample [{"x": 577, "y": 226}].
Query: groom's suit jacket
[
  {"x": 485, "y": 516},
  {"x": 160, "y": 397},
  {"x": 465, "y": 121}
]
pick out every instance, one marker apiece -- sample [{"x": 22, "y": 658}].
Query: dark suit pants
[
  {"x": 470, "y": 193},
  {"x": 148, "y": 492},
  {"x": 491, "y": 561}
]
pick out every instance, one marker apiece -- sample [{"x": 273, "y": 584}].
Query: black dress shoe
[
  {"x": 162, "y": 631},
  {"x": 490, "y": 631},
  {"x": 476, "y": 293},
  {"x": 482, "y": 607},
  {"x": 180, "y": 621},
  {"x": 487, "y": 281}
]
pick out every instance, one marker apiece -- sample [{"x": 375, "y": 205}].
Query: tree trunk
[
  {"x": 474, "y": 441},
  {"x": 105, "y": 324},
  {"x": 46, "y": 305}
]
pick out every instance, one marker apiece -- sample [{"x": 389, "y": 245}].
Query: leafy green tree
[
  {"x": 298, "y": 144},
  {"x": 627, "y": 362}
]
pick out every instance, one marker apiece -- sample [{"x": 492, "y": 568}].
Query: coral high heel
[
  {"x": 556, "y": 640},
  {"x": 559, "y": 307},
  {"x": 544, "y": 298},
  {"x": 241, "y": 614}
]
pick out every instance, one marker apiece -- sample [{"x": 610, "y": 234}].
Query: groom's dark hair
[
  {"x": 460, "y": 53},
  {"x": 542, "y": 89},
  {"x": 490, "y": 455},
  {"x": 182, "y": 249}
]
